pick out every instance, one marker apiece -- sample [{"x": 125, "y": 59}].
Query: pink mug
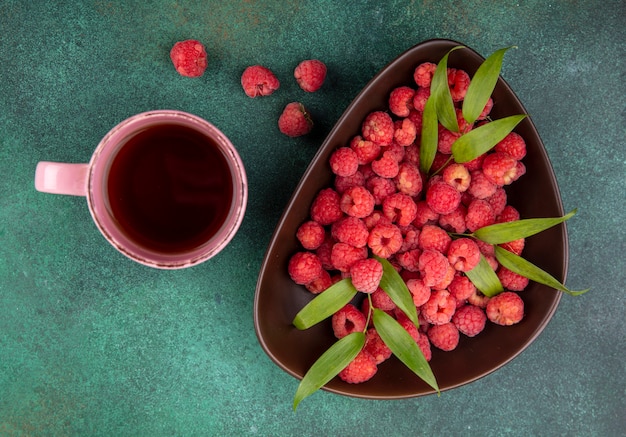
[{"x": 165, "y": 188}]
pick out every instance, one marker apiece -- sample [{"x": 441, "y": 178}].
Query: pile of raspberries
[{"x": 381, "y": 204}]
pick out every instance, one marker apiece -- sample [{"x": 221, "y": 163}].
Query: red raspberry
[
  {"x": 435, "y": 238},
  {"x": 376, "y": 346},
  {"x": 479, "y": 214},
  {"x": 508, "y": 214},
  {"x": 497, "y": 201},
  {"x": 488, "y": 106},
  {"x": 409, "y": 260},
  {"x": 433, "y": 266},
  {"x": 342, "y": 183},
  {"x": 512, "y": 281},
  {"x": 478, "y": 299},
  {"x": 499, "y": 168},
  {"x": 515, "y": 246},
  {"x": 375, "y": 218},
  {"x": 463, "y": 254},
  {"x": 189, "y": 58},
  {"x": 344, "y": 161},
  {"x": 343, "y": 255},
  {"x": 320, "y": 284},
  {"x": 447, "y": 279},
  {"x": 326, "y": 207},
  {"x": 257, "y": 80},
  {"x": 382, "y": 301},
  {"x": 378, "y": 127},
  {"x": 311, "y": 235},
  {"x": 485, "y": 248},
  {"x": 425, "y": 215},
  {"x": 461, "y": 288},
  {"x": 401, "y": 101},
  {"x": 396, "y": 151},
  {"x": 455, "y": 221},
  {"x": 513, "y": 145},
  {"x": 324, "y": 252},
  {"x": 419, "y": 291},
  {"x": 405, "y": 132},
  {"x": 506, "y": 308},
  {"x": 409, "y": 180},
  {"x": 410, "y": 239},
  {"x": 380, "y": 188},
  {"x": 295, "y": 121},
  {"x": 481, "y": 187},
  {"x": 419, "y": 99},
  {"x": 366, "y": 151},
  {"x": 459, "y": 81},
  {"x": 412, "y": 154},
  {"x": 350, "y": 230},
  {"x": 348, "y": 320},
  {"x": 407, "y": 324},
  {"x": 458, "y": 176},
  {"x": 386, "y": 166},
  {"x": 366, "y": 274},
  {"x": 357, "y": 202},
  {"x": 469, "y": 320},
  {"x": 361, "y": 369},
  {"x": 439, "y": 308},
  {"x": 442, "y": 198},
  {"x": 385, "y": 240},
  {"x": 475, "y": 164},
  {"x": 424, "y": 343},
  {"x": 444, "y": 337},
  {"x": 304, "y": 267},
  {"x": 423, "y": 74},
  {"x": 445, "y": 139},
  {"x": 310, "y": 75},
  {"x": 399, "y": 208}
]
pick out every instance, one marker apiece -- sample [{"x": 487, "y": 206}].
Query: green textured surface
[{"x": 93, "y": 344}]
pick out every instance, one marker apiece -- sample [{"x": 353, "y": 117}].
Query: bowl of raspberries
[{"x": 365, "y": 201}]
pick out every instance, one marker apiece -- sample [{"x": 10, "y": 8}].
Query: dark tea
[{"x": 170, "y": 188}]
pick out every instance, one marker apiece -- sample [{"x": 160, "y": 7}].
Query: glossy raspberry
[
  {"x": 461, "y": 288},
  {"x": 419, "y": 99},
  {"x": 350, "y": 230},
  {"x": 506, "y": 308},
  {"x": 481, "y": 187},
  {"x": 342, "y": 183},
  {"x": 444, "y": 336},
  {"x": 376, "y": 346},
  {"x": 500, "y": 168},
  {"x": 382, "y": 301},
  {"x": 445, "y": 139},
  {"x": 304, "y": 267},
  {"x": 511, "y": 280},
  {"x": 405, "y": 132},
  {"x": 433, "y": 267},
  {"x": 409, "y": 260},
  {"x": 455, "y": 221},
  {"x": 310, "y": 74},
  {"x": 386, "y": 166},
  {"x": 320, "y": 284},
  {"x": 344, "y": 161},
  {"x": 463, "y": 254},
  {"x": 419, "y": 292},
  {"x": 366, "y": 274},
  {"x": 385, "y": 240},
  {"x": 357, "y": 202},
  {"x": 378, "y": 127},
  {"x": 401, "y": 101},
  {"x": 458, "y": 81},
  {"x": 258, "y": 80},
  {"x": 479, "y": 214},
  {"x": 343, "y": 255},
  {"x": 409, "y": 180},
  {"x": 295, "y": 121},
  {"x": 326, "y": 207},
  {"x": 311, "y": 235},
  {"x": 399, "y": 208},
  {"x": 442, "y": 197},
  {"x": 469, "y": 320},
  {"x": 423, "y": 74},
  {"x": 361, "y": 369},
  {"x": 189, "y": 58},
  {"x": 435, "y": 238},
  {"x": 366, "y": 151},
  {"x": 380, "y": 188},
  {"x": 513, "y": 145},
  {"x": 425, "y": 215},
  {"x": 458, "y": 176},
  {"x": 348, "y": 320}
]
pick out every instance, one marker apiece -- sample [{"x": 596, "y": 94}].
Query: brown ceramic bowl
[{"x": 278, "y": 299}]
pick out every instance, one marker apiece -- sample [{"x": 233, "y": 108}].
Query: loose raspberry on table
[
  {"x": 479, "y": 214},
  {"x": 295, "y": 121},
  {"x": 189, "y": 58},
  {"x": 385, "y": 240},
  {"x": 458, "y": 176},
  {"x": 326, "y": 207},
  {"x": 455, "y": 221},
  {"x": 405, "y": 132},
  {"x": 386, "y": 166},
  {"x": 348, "y": 320},
  {"x": 506, "y": 308},
  {"x": 409, "y": 180},
  {"x": 444, "y": 336},
  {"x": 481, "y": 187},
  {"x": 366, "y": 151},
  {"x": 401, "y": 101},
  {"x": 320, "y": 284},
  {"x": 433, "y": 266},
  {"x": 376, "y": 346},
  {"x": 258, "y": 80},
  {"x": 382, "y": 301},
  {"x": 442, "y": 197},
  {"x": 511, "y": 280},
  {"x": 419, "y": 292},
  {"x": 439, "y": 308},
  {"x": 469, "y": 320},
  {"x": 461, "y": 288},
  {"x": 435, "y": 238},
  {"x": 350, "y": 230},
  {"x": 409, "y": 259},
  {"x": 513, "y": 145},
  {"x": 463, "y": 254},
  {"x": 366, "y": 275},
  {"x": 344, "y": 161},
  {"x": 399, "y": 208},
  {"x": 424, "y": 215},
  {"x": 304, "y": 267},
  {"x": 357, "y": 202},
  {"x": 361, "y": 369},
  {"x": 378, "y": 127},
  {"x": 419, "y": 99},
  {"x": 342, "y": 183},
  {"x": 311, "y": 235},
  {"x": 500, "y": 168},
  {"x": 310, "y": 74},
  {"x": 423, "y": 74},
  {"x": 380, "y": 188},
  {"x": 343, "y": 255}
]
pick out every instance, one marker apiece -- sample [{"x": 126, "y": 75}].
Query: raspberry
[
  {"x": 350, "y": 230},
  {"x": 344, "y": 161},
  {"x": 506, "y": 308},
  {"x": 433, "y": 266},
  {"x": 446, "y": 280},
  {"x": 412, "y": 154},
  {"x": 488, "y": 106},
  {"x": 320, "y": 284},
  {"x": 455, "y": 221},
  {"x": 304, "y": 267},
  {"x": 396, "y": 151},
  {"x": 497, "y": 201},
  {"x": 324, "y": 252},
  {"x": 407, "y": 324},
  {"x": 444, "y": 337},
  {"x": 357, "y": 202},
  {"x": 376, "y": 346},
  {"x": 475, "y": 164},
  {"x": 463, "y": 254},
  {"x": 348, "y": 320},
  {"x": 424, "y": 343},
  {"x": 434, "y": 238},
  {"x": 295, "y": 121},
  {"x": 458, "y": 176},
  {"x": 511, "y": 280},
  {"x": 423, "y": 74},
  {"x": 378, "y": 127},
  {"x": 361, "y": 369},
  {"x": 366, "y": 151},
  {"x": 386, "y": 166},
  {"x": 380, "y": 188},
  {"x": 513, "y": 145},
  {"x": 424, "y": 215},
  {"x": 410, "y": 239},
  {"x": 342, "y": 183},
  {"x": 399, "y": 208},
  {"x": 419, "y": 99},
  {"x": 479, "y": 214},
  {"x": 343, "y": 255},
  {"x": 508, "y": 214},
  {"x": 485, "y": 248},
  {"x": 311, "y": 235},
  {"x": 257, "y": 80},
  {"x": 409, "y": 260},
  {"x": 409, "y": 180},
  {"x": 469, "y": 320},
  {"x": 515, "y": 246},
  {"x": 189, "y": 58},
  {"x": 500, "y": 168},
  {"x": 419, "y": 291},
  {"x": 401, "y": 101},
  {"x": 405, "y": 132},
  {"x": 382, "y": 301},
  {"x": 366, "y": 275},
  {"x": 439, "y": 308},
  {"x": 385, "y": 240},
  {"x": 310, "y": 75},
  {"x": 375, "y": 218},
  {"x": 445, "y": 139},
  {"x": 326, "y": 207},
  {"x": 459, "y": 81},
  {"x": 442, "y": 198},
  {"x": 478, "y": 299},
  {"x": 481, "y": 187},
  {"x": 461, "y": 288}
]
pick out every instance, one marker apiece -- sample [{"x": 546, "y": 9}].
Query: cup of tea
[{"x": 166, "y": 188}]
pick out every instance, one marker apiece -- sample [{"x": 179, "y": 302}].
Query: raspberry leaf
[
  {"x": 511, "y": 231},
  {"x": 329, "y": 364},
  {"x": 325, "y": 304},
  {"x": 396, "y": 288},
  {"x": 481, "y": 139},
  {"x": 440, "y": 91},
  {"x": 482, "y": 85},
  {"x": 519, "y": 265},
  {"x": 403, "y": 346},
  {"x": 485, "y": 279},
  {"x": 428, "y": 145}
]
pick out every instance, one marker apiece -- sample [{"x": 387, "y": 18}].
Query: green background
[{"x": 94, "y": 344}]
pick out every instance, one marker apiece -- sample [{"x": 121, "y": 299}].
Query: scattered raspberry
[
  {"x": 295, "y": 121},
  {"x": 405, "y": 132},
  {"x": 366, "y": 151},
  {"x": 419, "y": 291},
  {"x": 401, "y": 101},
  {"x": 481, "y": 187},
  {"x": 506, "y": 308},
  {"x": 304, "y": 267},
  {"x": 310, "y": 75},
  {"x": 343, "y": 255},
  {"x": 326, "y": 207},
  {"x": 189, "y": 58},
  {"x": 444, "y": 337},
  {"x": 376, "y": 346},
  {"x": 409, "y": 180},
  {"x": 511, "y": 280},
  {"x": 459, "y": 81},
  {"x": 366, "y": 275},
  {"x": 348, "y": 320},
  {"x": 433, "y": 266},
  {"x": 342, "y": 183},
  {"x": 386, "y": 166},
  {"x": 500, "y": 168},
  {"x": 419, "y": 99},
  {"x": 479, "y": 214},
  {"x": 513, "y": 145},
  {"x": 423, "y": 74},
  {"x": 350, "y": 230},
  {"x": 382, "y": 301},
  {"x": 257, "y": 80},
  {"x": 461, "y": 288},
  {"x": 455, "y": 221},
  {"x": 385, "y": 240},
  {"x": 424, "y": 215},
  {"x": 378, "y": 127},
  {"x": 320, "y": 284},
  {"x": 458, "y": 176},
  {"x": 435, "y": 238},
  {"x": 311, "y": 235},
  {"x": 463, "y": 254},
  {"x": 469, "y": 320},
  {"x": 399, "y": 208},
  {"x": 357, "y": 202},
  {"x": 344, "y": 161},
  {"x": 442, "y": 198},
  {"x": 380, "y": 188},
  {"x": 361, "y": 369}
]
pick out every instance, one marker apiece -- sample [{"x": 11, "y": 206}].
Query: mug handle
[{"x": 62, "y": 178}]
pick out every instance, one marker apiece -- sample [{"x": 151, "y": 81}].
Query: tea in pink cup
[{"x": 165, "y": 188}]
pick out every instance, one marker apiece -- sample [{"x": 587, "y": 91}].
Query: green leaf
[
  {"x": 327, "y": 366},
  {"x": 429, "y": 137},
  {"x": 485, "y": 279},
  {"x": 511, "y": 231},
  {"x": 403, "y": 346},
  {"x": 440, "y": 91},
  {"x": 481, "y": 139},
  {"x": 396, "y": 288},
  {"x": 481, "y": 86},
  {"x": 325, "y": 304},
  {"x": 527, "y": 269}
]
